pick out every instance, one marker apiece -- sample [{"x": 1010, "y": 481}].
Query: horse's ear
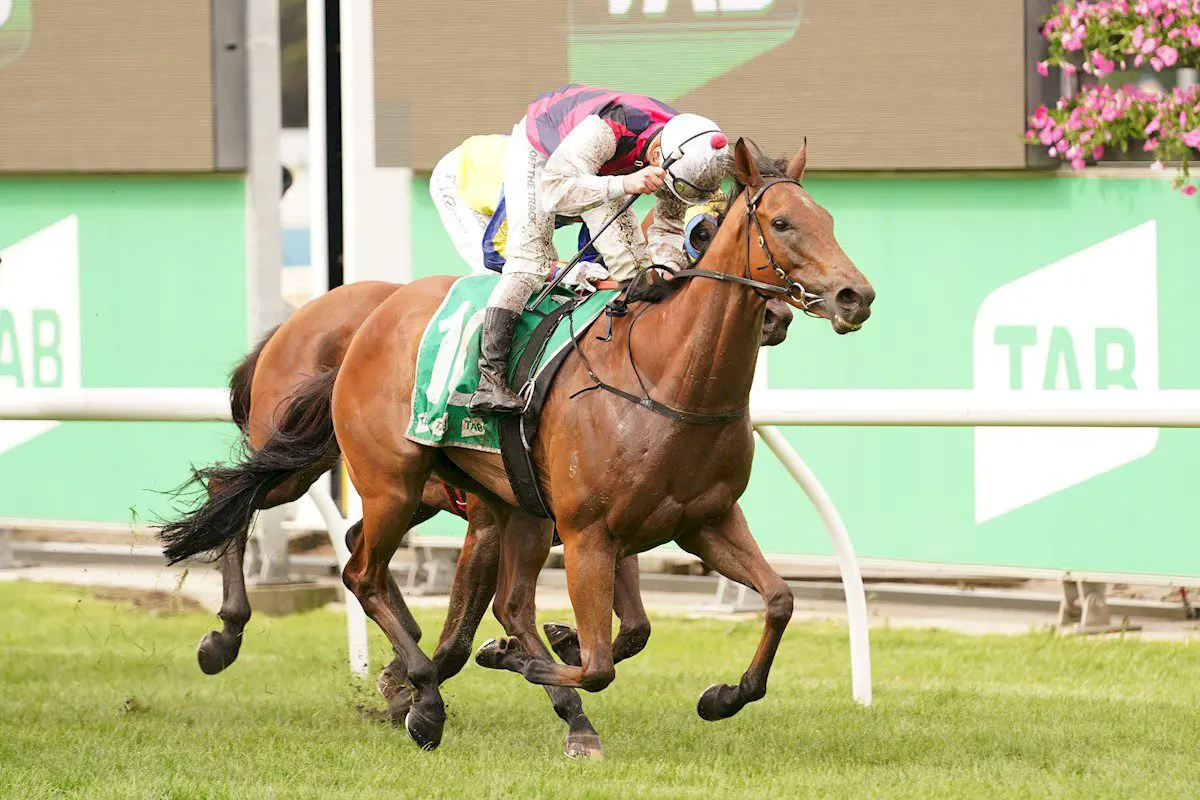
[
  {"x": 795, "y": 170},
  {"x": 744, "y": 169}
]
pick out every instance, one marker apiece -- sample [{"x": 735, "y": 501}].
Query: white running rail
[{"x": 945, "y": 408}]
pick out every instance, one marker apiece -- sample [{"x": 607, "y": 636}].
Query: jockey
[
  {"x": 467, "y": 188},
  {"x": 578, "y": 152}
]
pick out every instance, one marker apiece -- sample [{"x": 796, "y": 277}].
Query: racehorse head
[
  {"x": 789, "y": 240},
  {"x": 778, "y": 315}
]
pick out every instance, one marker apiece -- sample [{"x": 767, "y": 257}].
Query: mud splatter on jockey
[{"x": 578, "y": 152}]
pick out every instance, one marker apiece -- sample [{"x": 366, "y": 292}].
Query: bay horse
[
  {"x": 262, "y": 388},
  {"x": 305, "y": 459},
  {"x": 622, "y": 477}
]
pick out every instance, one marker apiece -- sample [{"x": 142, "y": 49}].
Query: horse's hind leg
[
  {"x": 219, "y": 649},
  {"x": 729, "y": 548},
  {"x": 393, "y": 682},
  {"x": 627, "y": 603},
  {"x": 388, "y": 505}
]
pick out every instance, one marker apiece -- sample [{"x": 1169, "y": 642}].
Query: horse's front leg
[
  {"x": 590, "y": 562},
  {"x": 728, "y": 547},
  {"x": 627, "y": 602},
  {"x": 526, "y": 547}
]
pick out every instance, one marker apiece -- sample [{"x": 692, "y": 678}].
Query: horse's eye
[{"x": 780, "y": 224}]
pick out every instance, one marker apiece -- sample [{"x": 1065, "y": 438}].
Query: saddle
[{"x": 518, "y": 431}]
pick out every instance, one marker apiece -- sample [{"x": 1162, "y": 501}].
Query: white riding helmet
[{"x": 699, "y": 149}]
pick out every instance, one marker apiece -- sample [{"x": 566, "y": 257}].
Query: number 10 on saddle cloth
[{"x": 448, "y": 360}]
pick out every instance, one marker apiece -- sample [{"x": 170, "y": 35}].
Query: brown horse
[
  {"x": 292, "y": 464},
  {"x": 622, "y": 477}
]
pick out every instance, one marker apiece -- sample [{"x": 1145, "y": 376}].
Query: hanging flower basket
[{"x": 1099, "y": 42}]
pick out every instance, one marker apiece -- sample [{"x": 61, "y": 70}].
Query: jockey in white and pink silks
[{"x": 579, "y": 151}]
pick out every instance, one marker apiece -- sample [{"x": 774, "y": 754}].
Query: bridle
[{"x": 791, "y": 289}]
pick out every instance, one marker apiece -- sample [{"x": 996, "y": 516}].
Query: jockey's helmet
[{"x": 698, "y": 148}]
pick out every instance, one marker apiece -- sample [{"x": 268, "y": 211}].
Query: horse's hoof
[
  {"x": 564, "y": 641},
  {"x": 389, "y": 685},
  {"x": 584, "y": 746},
  {"x": 399, "y": 706},
  {"x": 493, "y": 651},
  {"x": 217, "y": 651},
  {"x": 719, "y": 701},
  {"x": 425, "y": 730}
]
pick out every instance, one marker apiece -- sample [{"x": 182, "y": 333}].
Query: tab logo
[
  {"x": 666, "y": 48},
  {"x": 472, "y": 426},
  {"x": 1083, "y": 326},
  {"x": 39, "y": 320}
]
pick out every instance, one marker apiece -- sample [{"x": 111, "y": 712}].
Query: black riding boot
[{"x": 493, "y": 395}]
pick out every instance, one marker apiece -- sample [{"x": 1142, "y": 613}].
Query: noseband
[{"x": 791, "y": 288}]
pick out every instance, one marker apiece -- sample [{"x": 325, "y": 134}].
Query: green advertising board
[
  {"x": 115, "y": 282},
  {"x": 1055, "y": 284}
]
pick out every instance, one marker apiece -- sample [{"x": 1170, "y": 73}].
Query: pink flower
[
  {"x": 1157, "y": 63},
  {"x": 1050, "y": 134},
  {"x": 1068, "y": 69},
  {"x": 1149, "y": 45},
  {"x": 1192, "y": 138},
  {"x": 1154, "y": 125},
  {"x": 1043, "y": 69},
  {"x": 1139, "y": 36},
  {"x": 1193, "y": 33},
  {"x": 1040, "y": 118},
  {"x": 1167, "y": 20},
  {"x": 1077, "y": 163},
  {"x": 1188, "y": 189},
  {"x": 1108, "y": 113},
  {"x": 1168, "y": 54},
  {"x": 1157, "y": 166},
  {"x": 1137, "y": 61},
  {"x": 1097, "y": 152},
  {"x": 1150, "y": 144},
  {"x": 1062, "y": 146},
  {"x": 1103, "y": 65}
]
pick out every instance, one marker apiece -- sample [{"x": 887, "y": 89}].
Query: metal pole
[
  {"x": 376, "y": 200},
  {"x": 264, "y": 289},
  {"x": 356, "y": 619},
  {"x": 318, "y": 209},
  {"x": 852, "y": 583}
]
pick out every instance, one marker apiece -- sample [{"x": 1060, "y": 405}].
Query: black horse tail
[
  {"x": 240, "y": 381},
  {"x": 303, "y": 442}
]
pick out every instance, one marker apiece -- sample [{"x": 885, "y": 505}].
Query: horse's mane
[{"x": 767, "y": 166}]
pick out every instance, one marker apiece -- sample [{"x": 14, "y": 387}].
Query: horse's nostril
[{"x": 848, "y": 298}]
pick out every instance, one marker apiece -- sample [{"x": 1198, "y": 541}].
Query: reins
[{"x": 618, "y": 308}]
